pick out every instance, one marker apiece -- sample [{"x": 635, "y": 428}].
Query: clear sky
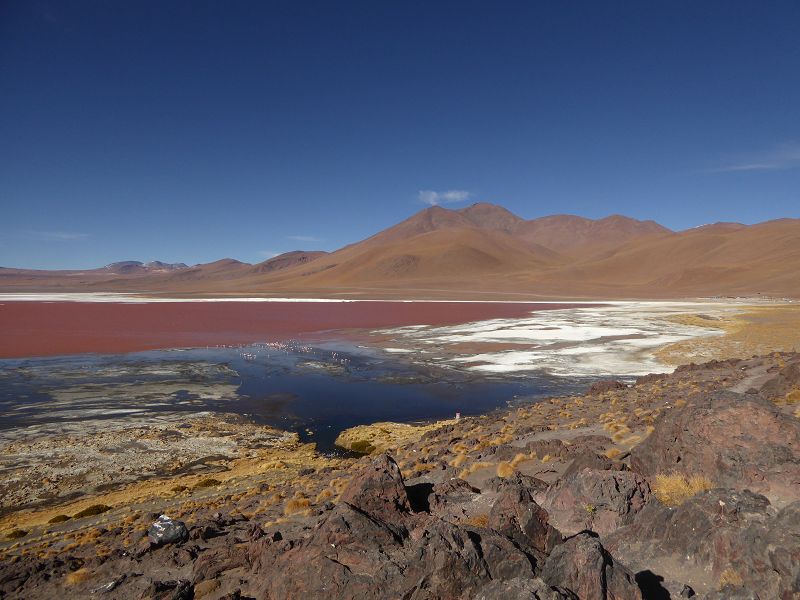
[{"x": 191, "y": 131}]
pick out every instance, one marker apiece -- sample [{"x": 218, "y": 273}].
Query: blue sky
[{"x": 190, "y": 131}]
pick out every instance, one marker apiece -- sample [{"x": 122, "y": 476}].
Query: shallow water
[{"x": 315, "y": 390}]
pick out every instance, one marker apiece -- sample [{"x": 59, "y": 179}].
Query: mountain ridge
[{"x": 486, "y": 249}]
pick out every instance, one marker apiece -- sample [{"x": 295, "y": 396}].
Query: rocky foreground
[{"x": 683, "y": 485}]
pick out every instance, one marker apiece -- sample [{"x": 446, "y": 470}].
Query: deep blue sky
[{"x": 190, "y": 131}]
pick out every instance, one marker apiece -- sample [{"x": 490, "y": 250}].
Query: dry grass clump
[
  {"x": 296, "y": 505},
  {"x": 15, "y": 534},
  {"x": 729, "y": 577},
  {"x": 472, "y": 468},
  {"x": 59, "y": 519},
  {"x": 206, "y": 483},
  {"x": 324, "y": 496},
  {"x": 505, "y": 469},
  {"x": 422, "y": 467},
  {"x": 78, "y": 576},
  {"x": 362, "y": 447},
  {"x": 790, "y": 399},
  {"x": 90, "y": 511},
  {"x": 459, "y": 460},
  {"x": 674, "y": 489},
  {"x": 481, "y": 520},
  {"x": 613, "y": 452}
]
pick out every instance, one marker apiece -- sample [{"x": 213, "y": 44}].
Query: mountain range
[{"x": 485, "y": 251}]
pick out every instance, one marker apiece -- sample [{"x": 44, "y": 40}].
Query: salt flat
[{"x": 615, "y": 339}]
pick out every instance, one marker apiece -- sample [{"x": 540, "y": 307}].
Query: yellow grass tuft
[
  {"x": 472, "y": 468},
  {"x": 546, "y": 458},
  {"x": 520, "y": 457},
  {"x": 505, "y": 469},
  {"x": 613, "y": 452},
  {"x": 459, "y": 460},
  {"x": 633, "y": 440},
  {"x": 793, "y": 397},
  {"x": 423, "y": 467},
  {"x": 296, "y": 505},
  {"x": 481, "y": 520},
  {"x": 729, "y": 577},
  {"x": 78, "y": 576},
  {"x": 323, "y": 496},
  {"x": 674, "y": 489}
]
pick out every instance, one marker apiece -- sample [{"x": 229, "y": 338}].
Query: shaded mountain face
[
  {"x": 129, "y": 267},
  {"x": 287, "y": 260},
  {"x": 485, "y": 251}
]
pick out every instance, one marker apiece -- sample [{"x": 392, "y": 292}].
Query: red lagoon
[{"x": 52, "y": 328}]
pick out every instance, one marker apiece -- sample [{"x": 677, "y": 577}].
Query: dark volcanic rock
[
  {"x": 582, "y": 565},
  {"x": 738, "y": 441},
  {"x": 379, "y": 490},
  {"x": 518, "y": 517},
  {"x": 605, "y": 385},
  {"x": 450, "y": 499},
  {"x": 523, "y": 589},
  {"x": 352, "y": 555},
  {"x": 717, "y": 531},
  {"x": 787, "y": 380},
  {"x": 600, "y": 501},
  {"x": 382, "y": 549},
  {"x": 589, "y": 460},
  {"x": 532, "y": 484}
]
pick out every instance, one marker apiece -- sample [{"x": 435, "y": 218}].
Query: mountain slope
[{"x": 486, "y": 251}]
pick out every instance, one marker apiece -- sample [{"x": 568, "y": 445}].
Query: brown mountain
[
  {"x": 486, "y": 251},
  {"x": 286, "y": 260}
]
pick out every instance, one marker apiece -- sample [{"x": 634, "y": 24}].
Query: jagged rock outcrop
[
  {"x": 518, "y": 517},
  {"x": 718, "y": 535},
  {"x": 736, "y": 440},
  {"x": 582, "y": 565},
  {"x": 374, "y": 544},
  {"x": 600, "y": 501}
]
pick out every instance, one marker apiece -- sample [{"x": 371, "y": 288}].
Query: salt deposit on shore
[{"x": 617, "y": 339}]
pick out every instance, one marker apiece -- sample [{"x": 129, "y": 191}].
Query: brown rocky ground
[{"x": 688, "y": 480}]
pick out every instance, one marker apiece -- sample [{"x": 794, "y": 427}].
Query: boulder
[
  {"x": 582, "y": 565},
  {"x": 738, "y": 441},
  {"x": 517, "y": 516},
  {"x": 523, "y": 589},
  {"x": 452, "y": 499},
  {"x": 532, "y": 484},
  {"x": 353, "y": 555},
  {"x": 600, "y": 501},
  {"x": 591, "y": 460},
  {"x": 167, "y": 531},
  {"x": 378, "y": 490},
  {"x": 716, "y": 531},
  {"x": 784, "y": 382}
]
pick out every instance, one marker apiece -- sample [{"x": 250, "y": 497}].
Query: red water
[{"x": 52, "y": 328}]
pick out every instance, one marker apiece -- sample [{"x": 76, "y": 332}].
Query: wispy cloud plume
[
  {"x": 785, "y": 156},
  {"x": 55, "y": 236},
  {"x": 304, "y": 238},
  {"x": 435, "y": 198},
  {"x": 268, "y": 253}
]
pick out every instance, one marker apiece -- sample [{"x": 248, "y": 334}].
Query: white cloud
[
  {"x": 782, "y": 157},
  {"x": 269, "y": 253},
  {"x": 435, "y": 198},
  {"x": 55, "y": 236},
  {"x": 304, "y": 238}
]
